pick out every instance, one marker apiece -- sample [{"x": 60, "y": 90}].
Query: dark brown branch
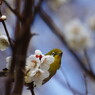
[
  {"x": 60, "y": 35},
  {"x": 13, "y": 63},
  {"x": 17, "y": 30},
  {"x": 21, "y": 46},
  {"x": 31, "y": 88},
  {"x": 20, "y": 64}
]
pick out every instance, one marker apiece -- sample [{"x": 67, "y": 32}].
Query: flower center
[{"x": 39, "y": 56}]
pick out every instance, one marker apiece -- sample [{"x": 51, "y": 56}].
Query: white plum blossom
[
  {"x": 46, "y": 61},
  {"x": 37, "y": 66},
  {"x": 55, "y": 4},
  {"x": 4, "y": 43},
  {"x": 91, "y": 22},
  {"x": 77, "y": 36},
  {"x": 32, "y": 62}
]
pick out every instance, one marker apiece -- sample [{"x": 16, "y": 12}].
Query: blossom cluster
[
  {"x": 77, "y": 35},
  {"x": 36, "y": 68}
]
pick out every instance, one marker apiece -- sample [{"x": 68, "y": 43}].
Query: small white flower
[
  {"x": 4, "y": 43},
  {"x": 38, "y": 52},
  {"x": 77, "y": 35}
]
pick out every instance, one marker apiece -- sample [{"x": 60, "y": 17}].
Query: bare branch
[{"x": 85, "y": 82}]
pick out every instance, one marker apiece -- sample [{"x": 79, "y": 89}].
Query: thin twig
[
  {"x": 68, "y": 87},
  {"x": 14, "y": 11},
  {"x": 66, "y": 79},
  {"x": 31, "y": 88},
  {"x": 86, "y": 86},
  {"x": 32, "y": 91},
  {"x": 88, "y": 60}
]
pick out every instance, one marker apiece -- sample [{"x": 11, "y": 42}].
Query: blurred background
[{"x": 75, "y": 20}]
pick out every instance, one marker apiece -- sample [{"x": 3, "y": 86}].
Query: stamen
[
  {"x": 37, "y": 56},
  {"x": 40, "y": 57}
]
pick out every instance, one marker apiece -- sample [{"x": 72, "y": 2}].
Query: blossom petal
[
  {"x": 46, "y": 61},
  {"x": 8, "y": 60},
  {"x": 38, "y": 52}
]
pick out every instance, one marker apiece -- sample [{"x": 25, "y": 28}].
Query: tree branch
[{"x": 85, "y": 82}]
